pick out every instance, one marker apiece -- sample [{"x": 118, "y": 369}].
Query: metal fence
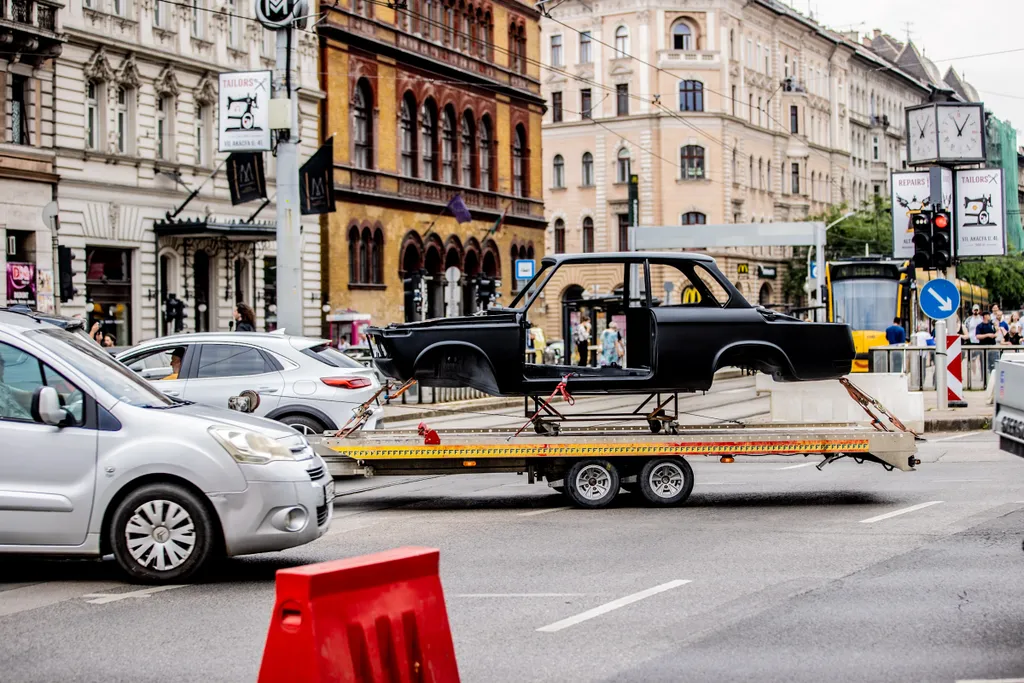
[
  {"x": 418, "y": 394},
  {"x": 919, "y": 363}
]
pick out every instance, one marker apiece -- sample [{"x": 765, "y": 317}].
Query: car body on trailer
[
  {"x": 670, "y": 348},
  {"x": 303, "y": 382}
]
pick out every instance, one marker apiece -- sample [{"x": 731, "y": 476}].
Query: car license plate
[{"x": 328, "y": 492}]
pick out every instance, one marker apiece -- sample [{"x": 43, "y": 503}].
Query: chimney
[{"x": 877, "y": 32}]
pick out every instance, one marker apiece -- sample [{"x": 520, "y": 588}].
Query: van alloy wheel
[{"x": 160, "y": 535}]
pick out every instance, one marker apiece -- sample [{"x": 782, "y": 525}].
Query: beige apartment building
[{"x": 728, "y": 111}]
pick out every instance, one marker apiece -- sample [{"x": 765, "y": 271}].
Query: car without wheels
[{"x": 670, "y": 347}]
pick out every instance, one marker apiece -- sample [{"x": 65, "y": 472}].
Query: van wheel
[
  {"x": 303, "y": 424},
  {"x": 162, "y": 533}
]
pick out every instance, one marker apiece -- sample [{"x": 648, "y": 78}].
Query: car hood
[
  {"x": 490, "y": 317},
  {"x": 233, "y": 418}
]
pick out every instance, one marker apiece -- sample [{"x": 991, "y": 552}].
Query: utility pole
[{"x": 289, "y": 237}]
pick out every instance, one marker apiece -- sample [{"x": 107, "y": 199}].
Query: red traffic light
[{"x": 941, "y": 221}]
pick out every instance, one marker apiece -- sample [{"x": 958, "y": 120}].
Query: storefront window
[
  {"x": 108, "y": 292},
  {"x": 270, "y": 293}
]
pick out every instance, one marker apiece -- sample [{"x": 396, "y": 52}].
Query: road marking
[
  {"x": 610, "y": 606},
  {"x": 733, "y": 391},
  {"x": 951, "y": 438},
  {"x": 534, "y": 513},
  {"x": 520, "y": 595},
  {"x": 958, "y": 481},
  {"x": 104, "y": 598},
  {"x": 896, "y": 513},
  {"x": 793, "y": 467},
  {"x": 991, "y": 680},
  {"x": 39, "y": 595}
]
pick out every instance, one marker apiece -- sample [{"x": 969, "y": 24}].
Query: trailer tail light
[{"x": 346, "y": 382}]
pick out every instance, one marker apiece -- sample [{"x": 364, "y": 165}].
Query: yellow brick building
[{"x": 427, "y": 101}]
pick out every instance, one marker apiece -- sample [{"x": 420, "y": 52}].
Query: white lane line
[
  {"x": 958, "y": 481},
  {"x": 896, "y": 513},
  {"x": 610, "y": 606},
  {"x": 49, "y": 593},
  {"x": 733, "y": 391},
  {"x": 104, "y": 598},
  {"x": 793, "y": 467},
  {"x": 534, "y": 513},
  {"x": 951, "y": 438},
  {"x": 520, "y": 595},
  {"x": 991, "y": 680}
]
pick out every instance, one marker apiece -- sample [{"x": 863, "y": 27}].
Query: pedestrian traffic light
[
  {"x": 65, "y": 274},
  {"x": 907, "y": 285},
  {"x": 175, "y": 311},
  {"x": 921, "y": 224},
  {"x": 942, "y": 240}
]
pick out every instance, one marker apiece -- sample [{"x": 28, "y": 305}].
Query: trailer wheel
[
  {"x": 592, "y": 483},
  {"x": 666, "y": 481}
]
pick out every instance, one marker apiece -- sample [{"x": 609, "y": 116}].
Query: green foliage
[{"x": 1003, "y": 276}]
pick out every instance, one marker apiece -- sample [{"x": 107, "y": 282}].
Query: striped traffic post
[{"x": 954, "y": 372}]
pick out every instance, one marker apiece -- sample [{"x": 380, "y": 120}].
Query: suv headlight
[{"x": 251, "y": 448}]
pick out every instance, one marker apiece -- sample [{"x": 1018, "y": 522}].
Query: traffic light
[
  {"x": 942, "y": 240},
  {"x": 413, "y": 295},
  {"x": 65, "y": 274},
  {"x": 175, "y": 311},
  {"x": 921, "y": 223}
]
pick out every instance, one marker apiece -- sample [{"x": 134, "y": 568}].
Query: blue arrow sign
[{"x": 939, "y": 299}]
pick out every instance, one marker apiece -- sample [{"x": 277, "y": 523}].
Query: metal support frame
[{"x": 664, "y": 413}]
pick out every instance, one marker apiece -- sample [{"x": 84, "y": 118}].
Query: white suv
[{"x": 304, "y": 383}]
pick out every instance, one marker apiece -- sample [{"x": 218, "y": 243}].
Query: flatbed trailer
[{"x": 590, "y": 464}]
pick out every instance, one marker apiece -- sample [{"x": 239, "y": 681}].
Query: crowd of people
[{"x": 985, "y": 328}]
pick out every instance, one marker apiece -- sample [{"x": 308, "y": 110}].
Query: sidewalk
[{"x": 977, "y": 414}]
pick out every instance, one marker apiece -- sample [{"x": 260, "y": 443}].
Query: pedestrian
[
  {"x": 245, "y": 318},
  {"x": 895, "y": 334},
  {"x": 581, "y": 335},
  {"x": 539, "y": 343},
  {"x": 972, "y": 324},
  {"x": 985, "y": 332},
  {"x": 108, "y": 341},
  {"x": 612, "y": 349},
  {"x": 922, "y": 336},
  {"x": 1013, "y": 337}
]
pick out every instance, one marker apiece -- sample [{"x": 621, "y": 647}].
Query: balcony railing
[
  {"x": 30, "y": 13},
  {"x": 417, "y": 189}
]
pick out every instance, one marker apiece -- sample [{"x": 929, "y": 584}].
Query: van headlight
[{"x": 251, "y": 448}]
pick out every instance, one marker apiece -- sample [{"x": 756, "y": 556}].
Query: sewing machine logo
[
  {"x": 242, "y": 116},
  {"x": 977, "y": 209}
]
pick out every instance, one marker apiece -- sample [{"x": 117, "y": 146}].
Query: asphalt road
[{"x": 774, "y": 571}]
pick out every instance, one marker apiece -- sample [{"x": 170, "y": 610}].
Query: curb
[{"x": 967, "y": 423}]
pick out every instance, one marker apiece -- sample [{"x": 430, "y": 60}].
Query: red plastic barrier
[{"x": 375, "y": 618}]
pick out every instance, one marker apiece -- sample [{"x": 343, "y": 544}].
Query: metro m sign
[{"x": 275, "y": 14}]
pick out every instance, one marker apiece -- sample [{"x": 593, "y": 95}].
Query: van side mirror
[{"x": 46, "y": 407}]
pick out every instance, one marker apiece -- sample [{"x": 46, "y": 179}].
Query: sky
[{"x": 948, "y": 32}]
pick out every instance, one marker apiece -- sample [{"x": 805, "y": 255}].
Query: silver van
[{"x": 95, "y": 461}]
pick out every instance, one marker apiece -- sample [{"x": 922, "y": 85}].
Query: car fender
[
  {"x": 307, "y": 410},
  {"x": 748, "y": 343},
  {"x": 465, "y": 345}
]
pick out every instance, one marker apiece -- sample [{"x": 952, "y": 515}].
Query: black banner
[
  {"x": 245, "y": 177},
  {"x": 316, "y": 181}
]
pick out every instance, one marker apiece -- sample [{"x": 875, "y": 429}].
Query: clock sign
[
  {"x": 961, "y": 132},
  {"x": 922, "y": 137}
]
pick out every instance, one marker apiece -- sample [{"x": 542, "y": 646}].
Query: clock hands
[
  {"x": 960, "y": 129},
  {"x": 921, "y": 128}
]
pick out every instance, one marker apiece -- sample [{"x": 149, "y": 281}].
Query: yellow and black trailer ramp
[{"x": 590, "y": 464}]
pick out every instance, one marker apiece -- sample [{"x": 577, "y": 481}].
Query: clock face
[
  {"x": 960, "y": 136},
  {"x": 923, "y": 141}
]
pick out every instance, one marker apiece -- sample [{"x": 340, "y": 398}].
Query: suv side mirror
[{"x": 46, "y": 407}]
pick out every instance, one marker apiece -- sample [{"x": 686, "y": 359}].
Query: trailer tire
[
  {"x": 666, "y": 481},
  {"x": 592, "y": 483}
]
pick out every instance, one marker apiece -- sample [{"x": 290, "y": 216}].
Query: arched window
[
  {"x": 486, "y": 149},
  {"x": 519, "y": 152},
  {"x": 377, "y": 263},
  {"x": 362, "y": 124},
  {"x": 588, "y": 235},
  {"x": 428, "y": 146},
  {"x": 588, "y": 170},
  {"x": 691, "y": 96},
  {"x": 693, "y": 218},
  {"x": 682, "y": 37},
  {"x": 621, "y": 42},
  {"x": 407, "y": 122},
  {"x": 353, "y": 254},
  {"x": 559, "y": 236},
  {"x": 622, "y": 166},
  {"x": 365, "y": 255},
  {"x": 691, "y": 161},
  {"x": 468, "y": 153},
  {"x": 558, "y": 171},
  {"x": 448, "y": 145}
]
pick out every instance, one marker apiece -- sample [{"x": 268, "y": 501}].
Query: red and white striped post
[{"x": 954, "y": 372}]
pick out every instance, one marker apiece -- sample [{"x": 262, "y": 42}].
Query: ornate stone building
[
  {"x": 135, "y": 133},
  {"x": 427, "y": 102}
]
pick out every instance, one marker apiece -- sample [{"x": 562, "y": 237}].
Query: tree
[{"x": 1003, "y": 276}]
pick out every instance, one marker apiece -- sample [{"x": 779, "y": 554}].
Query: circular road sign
[
  {"x": 275, "y": 14},
  {"x": 939, "y": 299}
]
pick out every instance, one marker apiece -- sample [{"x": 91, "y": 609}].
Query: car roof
[
  {"x": 613, "y": 256},
  {"x": 259, "y": 338},
  {"x": 22, "y": 316}
]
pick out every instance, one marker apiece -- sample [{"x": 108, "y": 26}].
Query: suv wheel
[
  {"x": 162, "y": 533},
  {"x": 304, "y": 424}
]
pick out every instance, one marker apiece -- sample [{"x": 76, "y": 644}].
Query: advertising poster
[
  {"x": 21, "y": 284},
  {"x": 244, "y": 111},
  {"x": 44, "y": 290},
  {"x": 979, "y": 217},
  {"x": 911, "y": 191}
]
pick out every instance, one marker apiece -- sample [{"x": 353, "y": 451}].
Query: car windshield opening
[
  {"x": 95, "y": 363},
  {"x": 532, "y": 286},
  {"x": 328, "y": 355}
]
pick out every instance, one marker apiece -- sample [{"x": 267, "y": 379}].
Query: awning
[{"x": 257, "y": 231}]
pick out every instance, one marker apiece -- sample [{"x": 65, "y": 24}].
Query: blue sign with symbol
[
  {"x": 814, "y": 270},
  {"x": 939, "y": 299},
  {"x": 524, "y": 269}
]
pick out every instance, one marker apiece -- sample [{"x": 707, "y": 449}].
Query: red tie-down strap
[{"x": 562, "y": 388}]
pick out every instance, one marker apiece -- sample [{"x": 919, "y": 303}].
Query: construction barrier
[{"x": 374, "y": 618}]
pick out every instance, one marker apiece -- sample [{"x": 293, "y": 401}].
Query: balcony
[
  {"x": 29, "y": 29},
  {"x": 392, "y": 188},
  {"x": 879, "y": 121},
  {"x": 691, "y": 58},
  {"x": 793, "y": 86}
]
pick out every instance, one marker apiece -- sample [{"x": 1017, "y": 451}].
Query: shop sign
[
  {"x": 21, "y": 284},
  {"x": 742, "y": 268},
  {"x": 767, "y": 272},
  {"x": 244, "y": 111}
]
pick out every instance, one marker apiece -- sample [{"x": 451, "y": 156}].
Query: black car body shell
[{"x": 683, "y": 346}]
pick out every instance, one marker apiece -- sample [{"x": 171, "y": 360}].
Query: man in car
[
  {"x": 176, "y": 356},
  {"x": 14, "y": 403}
]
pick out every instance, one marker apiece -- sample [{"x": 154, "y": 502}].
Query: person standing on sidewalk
[
  {"x": 245, "y": 318},
  {"x": 972, "y": 324},
  {"x": 985, "y": 332},
  {"x": 581, "y": 335},
  {"x": 895, "y": 334}
]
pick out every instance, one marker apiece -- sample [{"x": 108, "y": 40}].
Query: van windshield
[{"x": 96, "y": 364}]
